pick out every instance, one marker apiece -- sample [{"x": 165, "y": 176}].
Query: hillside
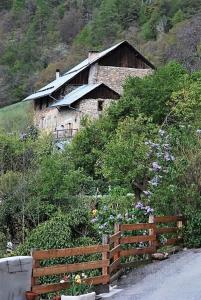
[{"x": 36, "y": 37}]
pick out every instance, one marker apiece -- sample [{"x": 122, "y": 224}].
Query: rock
[{"x": 160, "y": 256}]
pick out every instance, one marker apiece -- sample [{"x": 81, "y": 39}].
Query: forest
[{"x": 39, "y": 36}]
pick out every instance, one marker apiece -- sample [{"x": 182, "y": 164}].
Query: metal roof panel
[{"x": 76, "y": 94}]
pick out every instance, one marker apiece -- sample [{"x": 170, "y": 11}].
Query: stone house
[{"x": 87, "y": 89}]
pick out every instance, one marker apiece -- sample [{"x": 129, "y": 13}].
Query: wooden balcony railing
[{"x": 61, "y": 134}]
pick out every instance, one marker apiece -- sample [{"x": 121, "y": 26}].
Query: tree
[{"x": 125, "y": 159}]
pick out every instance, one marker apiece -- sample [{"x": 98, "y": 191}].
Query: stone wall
[
  {"x": 115, "y": 77},
  {"x": 89, "y": 107},
  {"x": 50, "y": 118}
]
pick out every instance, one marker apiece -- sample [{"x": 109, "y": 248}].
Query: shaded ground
[{"x": 177, "y": 278}]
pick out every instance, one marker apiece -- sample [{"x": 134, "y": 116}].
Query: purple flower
[
  {"x": 156, "y": 167},
  {"x": 148, "y": 210},
  {"x": 147, "y": 193},
  {"x": 154, "y": 145},
  {"x": 139, "y": 205},
  {"x": 94, "y": 220},
  {"x": 155, "y": 181},
  {"x": 166, "y": 147},
  {"x": 169, "y": 157}
]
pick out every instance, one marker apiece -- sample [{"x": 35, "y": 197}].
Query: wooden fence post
[
  {"x": 35, "y": 264},
  {"x": 179, "y": 226},
  {"x": 105, "y": 270},
  {"x": 152, "y": 232},
  {"x": 117, "y": 228}
]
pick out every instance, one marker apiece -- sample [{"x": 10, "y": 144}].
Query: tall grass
[{"x": 16, "y": 117}]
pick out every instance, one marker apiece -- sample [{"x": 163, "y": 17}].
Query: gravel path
[{"x": 177, "y": 278}]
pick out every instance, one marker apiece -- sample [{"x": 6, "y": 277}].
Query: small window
[
  {"x": 100, "y": 105},
  {"x": 40, "y": 104},
  {"x": 47, "y": 103}
]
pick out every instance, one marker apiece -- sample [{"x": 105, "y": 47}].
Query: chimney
[
  {"x": 57, "y": 73},
  {"x": 92, "y": 55}
]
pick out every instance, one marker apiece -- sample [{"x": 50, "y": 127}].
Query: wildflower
[
  {"x": 154, "y": 145},
  {"x": 94, "y": 220},
  {"x": 126, "y": 215},
  {"x": 84, "y": 275},
  {"x": 111, "y": 217},
  {"x": 161, "y": 132},
  {"x": 94, "y": 212},
  {"x": 119, "y": 217},
  {"x": 66, "y": 278},
  {"x": 156, "y": 167},
  {"x": 78, "y": 279},
  {"x": 155, "y": 181},
  {"x": 105, "y": 208},
  {"x": 139, "y": 205},
  {"x": 148, "y": 210},
  {"x": 147, "y": 193}
]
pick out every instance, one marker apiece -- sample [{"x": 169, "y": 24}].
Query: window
[
  {"x": 47, "y": 103},
  {"x": 40, "y": 104},
  {"x": 100, "y": 105}
]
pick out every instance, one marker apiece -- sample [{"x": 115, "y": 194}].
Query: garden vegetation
[{"x": 142, "y": 157}]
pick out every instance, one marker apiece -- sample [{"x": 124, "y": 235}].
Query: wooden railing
[
  {"x": 171, "y": 226},
  {"x": 41, "y": 255},
  {"x": 128, "y": 241},
  {"x": 64, "y": 133}
]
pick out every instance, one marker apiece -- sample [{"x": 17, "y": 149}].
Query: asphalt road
[{"x": 177, "y": 278}]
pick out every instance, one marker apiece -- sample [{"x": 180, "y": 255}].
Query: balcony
[{"x": 64, "y": 134}]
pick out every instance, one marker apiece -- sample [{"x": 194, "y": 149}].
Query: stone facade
[
  {"x": 50, "y": 119},
  {"x": 53, "y": 119},
  {"x": 65, "y": 118},
  {"x": 115, "y": 77},
  {"x": 91, "y": 108}
]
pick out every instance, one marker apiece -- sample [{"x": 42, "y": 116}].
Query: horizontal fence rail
[
  {"x": 170, "y": 226},
  {"x": 41, "y": 255},
  {"x": 116, "y": 253}
]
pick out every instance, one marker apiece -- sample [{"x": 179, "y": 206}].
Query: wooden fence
[{"x": 128, "y": 241}]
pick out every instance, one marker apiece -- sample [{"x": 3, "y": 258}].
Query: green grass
[{"x": 16, "y": 117}]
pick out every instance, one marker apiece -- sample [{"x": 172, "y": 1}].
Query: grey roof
[
  {"x": 76, "y": 94},
  {"x": 57, "y": 83}
]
